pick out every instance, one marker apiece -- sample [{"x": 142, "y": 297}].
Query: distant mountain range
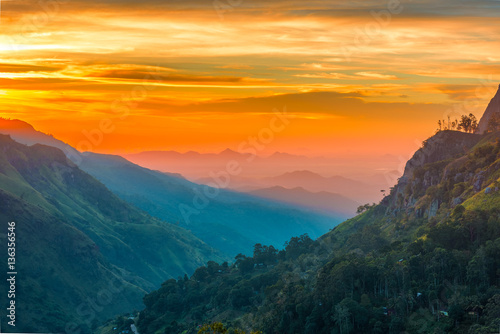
[
  {"x": 81, "y": 218},
  {"x": 343, "y": 189},
  {"x": 195, "y": 165},
  {"x": 315, "y": 182},
  {"x": 363, "y": 184},
  {"x": 230, "y": 222},
  {"x": 322, "y": 201},
  {"x": 425, "y": 259}
]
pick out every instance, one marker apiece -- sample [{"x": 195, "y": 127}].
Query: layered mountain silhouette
[
  {"x": 77, "y": 241},
  {"x": 323, "y": 201},
  {"x": 259, "y": 172},
  {"x": 316, "y": 183},
  {"x": 228, "y": 221}
]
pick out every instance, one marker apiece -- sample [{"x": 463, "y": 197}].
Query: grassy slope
[{"x": 67, "y": 219}]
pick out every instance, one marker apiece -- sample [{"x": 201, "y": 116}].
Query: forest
[{"x": 404, "y": 265}]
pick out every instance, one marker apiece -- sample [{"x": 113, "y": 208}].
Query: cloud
[
  {"x": 22, "y": 68},
  {"x": 324, "y": 7},
  {"x": 159, "y": 77},
  {"x": 357, "y": 76},
  {"x": 236, "y": 67},
  {"x": 377, "y": 75},
  {"x": 346, "y": 105}
]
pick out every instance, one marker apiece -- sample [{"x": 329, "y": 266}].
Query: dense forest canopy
[{"x": 425, "y": 260}]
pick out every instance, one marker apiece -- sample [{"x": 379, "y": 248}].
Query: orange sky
[{"x": 364, "y": 77}]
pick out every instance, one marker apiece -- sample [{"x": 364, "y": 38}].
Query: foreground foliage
[{"x": 425, "y": 260}]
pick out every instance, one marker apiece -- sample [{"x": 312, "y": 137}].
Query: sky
[{"x": 310, "y": 77}]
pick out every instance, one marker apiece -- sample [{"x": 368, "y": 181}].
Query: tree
[
  {"x": 342, "y": 318},
  {"x": 473, "y": 122},
  {"x": 264, "y": 254},
  {"x": 298, "y": 246},
  {"x": 201, "y": 274},
  {"x": 213, "y": 328},
  {"x": 245, "y": 264},
  {"x": 468, "y": 123},
  {"x": 365, "y": 207}
]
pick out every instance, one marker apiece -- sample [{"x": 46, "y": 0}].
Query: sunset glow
[{"x": 185, "y": 75}]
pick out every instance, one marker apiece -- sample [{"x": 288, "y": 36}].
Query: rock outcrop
[
  {"x": 443, "y": 145},
  {"x": 493, "y": 108}
]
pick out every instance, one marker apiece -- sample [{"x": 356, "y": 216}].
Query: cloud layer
[{"x": 208, "y": 66}]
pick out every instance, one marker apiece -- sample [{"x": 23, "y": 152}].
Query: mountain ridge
[
  {"x": 425, "y": 259},
  {"x": 67, "y": 220},
  {"x": 321, "y": 200},
  {"x": 226, "y": 222},
  {"x": 492, "y": 109}
]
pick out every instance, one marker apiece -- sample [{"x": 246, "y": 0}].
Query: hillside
[
  {"x": 228, "y": 221},
  {"x": 76, "y": 238},
  {"x": 424, "y": 260}
]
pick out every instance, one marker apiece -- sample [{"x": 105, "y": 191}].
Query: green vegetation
[
  {"x": 467, "y": 123},
  {"x": 219, "y": 328},
  {"x": 425, "y": 260},
  {"x": 494, "y": 123},
  {"x": 77, "y": 242}
]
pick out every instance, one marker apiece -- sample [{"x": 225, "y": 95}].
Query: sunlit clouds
[{"x": 194, "y": 76}]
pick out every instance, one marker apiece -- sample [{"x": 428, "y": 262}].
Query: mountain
[
  {"x": 77, "y": 243},
  {"x": 421, "y": 261},
  {"x": 24, "y": 133},
  {"x": 322, "y": 201},
  {"x": 426, "y": 259},
  {"x": 225, "y": 220},
  {"x": 191, "y": 164},
  {"x": 260, "y": 171},
  {"x": 314, "y": 182},
  {"x": 228, "y": 221},
  {"x": 492, "y": 109}
]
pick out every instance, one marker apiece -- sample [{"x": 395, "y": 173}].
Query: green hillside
[
  {"x": 425, "y": 260},
  {"x": 74, "y": 236}
]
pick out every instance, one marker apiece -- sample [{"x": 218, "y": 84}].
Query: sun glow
[{"x": 218, "y": 76}]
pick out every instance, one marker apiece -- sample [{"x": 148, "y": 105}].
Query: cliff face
[
  {"x": 444, "y": 145},
  {"x": 493, "y": 108},
  {"x": 451, "y": 169}
]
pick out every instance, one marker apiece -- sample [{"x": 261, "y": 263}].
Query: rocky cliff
[{"x": 493, "y": 108}]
